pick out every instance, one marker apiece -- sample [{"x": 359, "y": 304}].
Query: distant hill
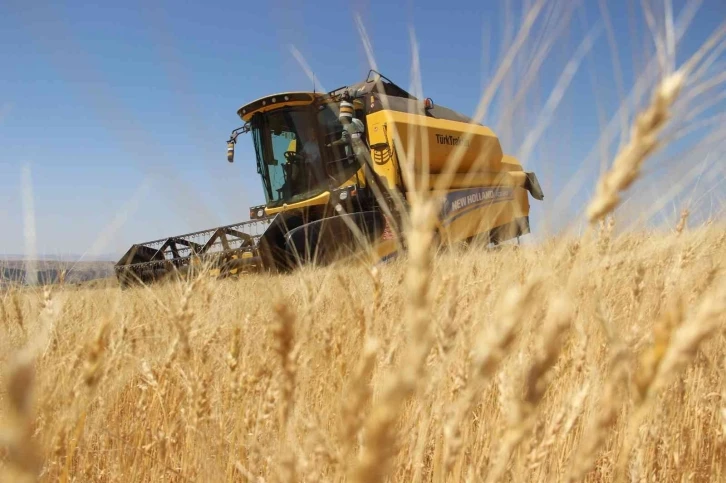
[
  {"x": 15, "y": 271},
  {"x": 71, "y": 257}
]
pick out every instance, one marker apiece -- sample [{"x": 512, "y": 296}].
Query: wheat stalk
[{"x": 379, "y": 440}]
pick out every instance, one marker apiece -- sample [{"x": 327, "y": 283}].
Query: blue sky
[{"x": 121, "y": 110}]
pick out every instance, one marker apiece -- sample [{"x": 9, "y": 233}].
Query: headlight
[{"x": 257, "y": 212}]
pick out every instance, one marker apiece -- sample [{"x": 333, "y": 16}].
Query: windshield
[{"x": 289, "y": 156}]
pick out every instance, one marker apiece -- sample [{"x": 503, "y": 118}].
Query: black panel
[
  {"x": 266, "y": 101},
  {"x": 532, "y": 185},
  {"x": 324, "y": 240},
  {"x": 377, "y": 102}
]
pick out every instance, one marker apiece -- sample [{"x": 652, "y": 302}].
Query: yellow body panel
[
  {"x": 383, "y": 159},
  {"x": 482, "y": 150},
  {"x": 320, "y": 199},
  {"x": 510, "y": 163},
  {"x": 384, "y": 248},
  {"x": 482, "y": 215},
  {"x": 474, "y": 179},
  {"x": 487, "y": 189},
  {"x": 486, "y": 192}
]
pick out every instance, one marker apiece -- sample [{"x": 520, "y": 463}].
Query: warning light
[{"x": 429, "y": 103}]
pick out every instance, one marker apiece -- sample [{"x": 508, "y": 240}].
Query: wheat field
[{"x": 572, "y": 360}]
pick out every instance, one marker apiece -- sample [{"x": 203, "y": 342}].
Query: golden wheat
[{"x": 351, "y": 406}]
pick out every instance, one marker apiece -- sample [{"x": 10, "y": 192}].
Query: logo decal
[
  {"x": 449, "y": 140},
  {"x": 461, "y": 201}
]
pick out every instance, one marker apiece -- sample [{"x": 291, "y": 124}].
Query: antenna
[{"x": 313, "y": 82}]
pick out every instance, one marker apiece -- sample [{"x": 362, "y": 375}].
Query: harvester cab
[
  {"x": 330, "y": 165},
  {"x": 295, "y": 156}
]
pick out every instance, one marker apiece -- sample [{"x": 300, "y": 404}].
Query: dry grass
[{"x": 541, "y": 363}]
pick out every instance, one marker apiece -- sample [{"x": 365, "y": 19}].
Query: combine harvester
[{"x": 332, "y": 173}]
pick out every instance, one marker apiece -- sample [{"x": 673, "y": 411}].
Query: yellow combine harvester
[{"x": 334, "y": 176}]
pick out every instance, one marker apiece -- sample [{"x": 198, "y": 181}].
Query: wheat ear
[{"x": 643, "y": 142}]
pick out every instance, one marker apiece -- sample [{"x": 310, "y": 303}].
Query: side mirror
[{"x": 230, "y": 151}]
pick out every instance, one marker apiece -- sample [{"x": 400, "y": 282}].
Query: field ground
[{"x": 596, "y": 359}]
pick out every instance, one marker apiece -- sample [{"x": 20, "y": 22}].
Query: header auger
[{"x": 331, "y": 169}]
